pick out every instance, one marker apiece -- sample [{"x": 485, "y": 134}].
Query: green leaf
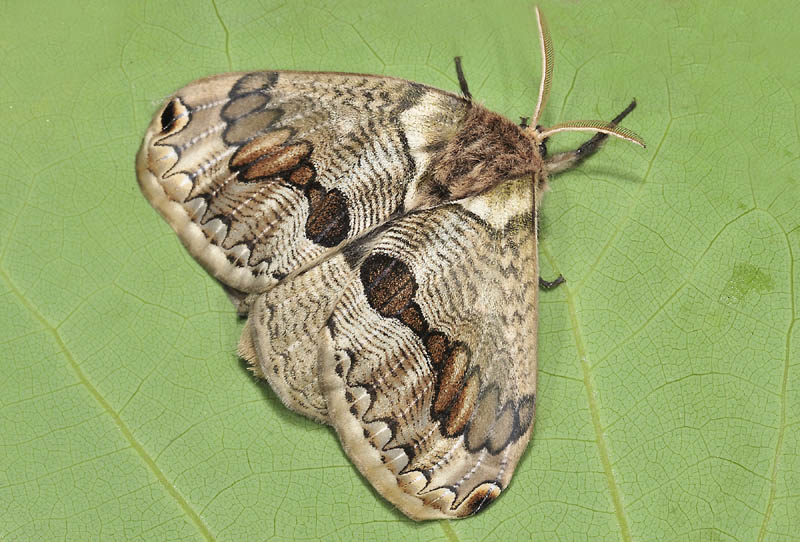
[{"x": 669, "y": 367}]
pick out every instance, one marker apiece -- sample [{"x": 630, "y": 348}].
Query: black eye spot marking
[{"x": 168, "y": 116}]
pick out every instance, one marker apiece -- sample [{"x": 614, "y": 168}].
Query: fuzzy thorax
[{"x": 487, "y": 150}]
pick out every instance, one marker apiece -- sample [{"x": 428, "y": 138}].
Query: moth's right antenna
[
  {"x": 547, "y": 66},
  {"x": 597, "y": 126},
  {"x": 565, "y": 160}
]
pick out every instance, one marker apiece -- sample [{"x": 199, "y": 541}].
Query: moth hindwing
[{"x": 380, "y": 236}]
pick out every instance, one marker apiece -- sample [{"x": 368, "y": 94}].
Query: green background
[{"x": 669, "y": 365}]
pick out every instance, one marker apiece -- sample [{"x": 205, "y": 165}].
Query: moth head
[{"x": 538, "y": 135}]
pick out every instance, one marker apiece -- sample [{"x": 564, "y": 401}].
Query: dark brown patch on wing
[
  {"x": 451, "y": 377},
  {"x": 271, "y": 154},
  {"x": 459, "y": 404},
  {"x": 280, "y": 161},
  {"x": 462, "y": 408},
  {"x": 437, "y": 345},
  {"x": 481, "y": 497},
  {"x": 260, "y": 147},
  {"x": 274, "y": 157},
  {"x": 301, "y": 176},
  {"x": 412, "y": 317},
  {"x": 329, "y": 220},
  {"x": 388, "y": 284}
]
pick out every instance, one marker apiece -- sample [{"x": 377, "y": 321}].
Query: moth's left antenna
[
  {"x": 462, "y": 81},
  {"x": 546, "y": 46}
]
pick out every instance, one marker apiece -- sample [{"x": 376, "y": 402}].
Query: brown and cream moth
[{"x": 380, "y": 236}]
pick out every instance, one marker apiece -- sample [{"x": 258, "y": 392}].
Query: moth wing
[
  {"x": 280, "y": 339},
  {"x": 264, "y": 174},
  {"x": 428, "y": 360}
]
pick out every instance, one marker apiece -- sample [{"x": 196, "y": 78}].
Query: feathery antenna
[
  {"x": 597, "y": 126},
  {"x": 546, "y": 46}
]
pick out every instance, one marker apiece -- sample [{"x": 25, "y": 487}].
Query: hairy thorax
[{"x": 487, "y": 150}]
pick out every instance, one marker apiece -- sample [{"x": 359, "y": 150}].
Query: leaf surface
[{"x": 670, "y": 376}]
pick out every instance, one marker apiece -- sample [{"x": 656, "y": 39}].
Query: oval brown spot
[
  {"x": 437, "y": 344},
  {"x": 526, "y": 409},
  {"x": 480, "y": 498},
  {"x": 285, "y": 158},
  {"x": 463, "y": 407},
  {"x": 412, "y": 317},
  {"x": 240, "y": 107},
  {"x": 254, "y": 82},
  {"x": 502, "y": 429},
  {"x": 315, "y": 194},
  {"x": 450, "y": 377},
  {"x": 259, "y": 147},
  {"x": 388, "y": 284},
  {"x": 481, "y": 425},
  {"x": 329, "y": 220},
  {"x": 244, "y": 128},
  {"x": 301, "y": 176}
]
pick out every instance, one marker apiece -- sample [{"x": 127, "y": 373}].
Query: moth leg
[
  {"x": 566, "y": 160},
  {"x": 462, "y": 81},
  {"x": 550, "y": 284},
  {"x": 523, "y": 122}
]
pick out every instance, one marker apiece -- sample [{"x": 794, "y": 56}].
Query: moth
[{"x": 380, "y": 236}]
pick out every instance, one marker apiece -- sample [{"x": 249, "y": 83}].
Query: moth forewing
[{"x": 381, "y": 237}]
